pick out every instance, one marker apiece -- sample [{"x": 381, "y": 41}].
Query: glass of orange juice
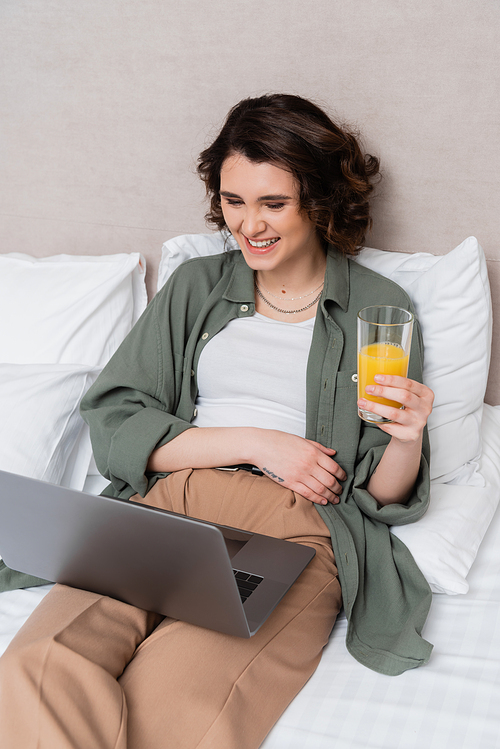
[{"x": 384, "y": 340}]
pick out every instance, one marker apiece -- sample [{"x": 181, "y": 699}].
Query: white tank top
[{"x": 253, "y": 373}]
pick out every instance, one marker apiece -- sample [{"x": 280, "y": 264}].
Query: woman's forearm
[
  {"x": 207, "y": 447},
  {"x": 395, "y": 475},
  {"x": 299, "y": 464}
]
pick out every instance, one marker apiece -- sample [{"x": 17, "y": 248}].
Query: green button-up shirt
[{"x": 146, "y": 396}]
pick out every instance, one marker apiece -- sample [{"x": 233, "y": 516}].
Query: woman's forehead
[{"x": 256, "y": 176}]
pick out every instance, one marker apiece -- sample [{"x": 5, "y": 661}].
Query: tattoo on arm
[{"x": 273, "y": 475}]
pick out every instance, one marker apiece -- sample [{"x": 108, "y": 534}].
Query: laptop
[{"x": 210, "y": 575}]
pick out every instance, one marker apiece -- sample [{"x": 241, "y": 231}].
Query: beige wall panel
[
  {"x": 43, "y": 237},
  {"x": 104, "y": 107}
]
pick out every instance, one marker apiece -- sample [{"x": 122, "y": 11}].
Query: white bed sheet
[{"x": 452, "y": 703}]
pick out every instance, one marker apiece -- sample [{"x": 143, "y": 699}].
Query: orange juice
[{"x": 380, "y": 358}]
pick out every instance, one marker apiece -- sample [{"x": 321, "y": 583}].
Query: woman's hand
[
  {"x": 416, "y": 399},
  {"x": 302, "y": 465},
  {"x": 395, "y": 475}
]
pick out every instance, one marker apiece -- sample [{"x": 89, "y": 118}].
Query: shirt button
[
  {"x": 204, "y": 336},
  {"x": 244, "y": 308},
  {"x": 195, "y": 412},
  {"x": 354, "y": 377},
  {"x": 192, "y": 373}
]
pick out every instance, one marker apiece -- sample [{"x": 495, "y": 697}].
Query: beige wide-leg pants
[{"x": 89, "y": 672}]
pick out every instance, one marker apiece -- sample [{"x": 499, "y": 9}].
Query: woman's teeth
[{"x": 265, "y": 243}]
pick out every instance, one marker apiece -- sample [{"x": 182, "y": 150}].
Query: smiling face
[{"x": 261, "y": 208}]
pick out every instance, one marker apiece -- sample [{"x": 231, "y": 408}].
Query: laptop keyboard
[{"x": 246, "y": 583}]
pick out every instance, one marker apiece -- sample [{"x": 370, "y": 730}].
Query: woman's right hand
[{"x": 299, "y": 464}]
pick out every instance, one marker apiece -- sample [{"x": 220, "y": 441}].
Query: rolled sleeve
[
  {"x": 134, "y": 441},
  {"x": 393, "y": 514},
  {"x": 133, "y": 407}
]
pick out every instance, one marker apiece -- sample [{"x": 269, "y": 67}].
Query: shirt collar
[
  {"x": 240, "y": 287},
  {"x": 241, "y": 284},
  {"x": 336, "y": 279}
]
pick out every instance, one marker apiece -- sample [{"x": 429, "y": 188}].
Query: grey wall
[{"x": 104, "y": 107}]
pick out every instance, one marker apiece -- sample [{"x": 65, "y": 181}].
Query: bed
[{"x": 104, "y": 108}]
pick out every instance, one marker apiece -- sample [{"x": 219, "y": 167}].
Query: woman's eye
[
  {"x": 230, "y": 201},
  {"x": 275, "y": 206}
]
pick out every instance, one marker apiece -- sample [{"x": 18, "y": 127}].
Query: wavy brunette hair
[{"x": 335, "y": 177}]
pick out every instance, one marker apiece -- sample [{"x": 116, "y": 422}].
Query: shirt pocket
[
  {"x": 346, "y": 422},
  {"x": 347, "y": 381},
  {"x": 179, "y": 363}
]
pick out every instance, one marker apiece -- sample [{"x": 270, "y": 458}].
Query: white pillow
[
  {"x": 79, "y": 460},
  {"x": 452, "y": 299},
  {"x": 41, "y": 422},
  {"x": 74, "y": 309},
  {"x": 175, "y": 251},
  {"x": 68, "y": 309},
  {"x": 444, "y": 543}
]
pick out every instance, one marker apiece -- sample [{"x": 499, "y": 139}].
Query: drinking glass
[{"x": 384, "y": 340}]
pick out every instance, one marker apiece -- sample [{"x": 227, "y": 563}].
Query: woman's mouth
[{"x": 261, "y": 246}]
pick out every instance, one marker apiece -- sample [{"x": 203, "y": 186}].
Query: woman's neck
[
  {"x": 297, "y": 282},
  {"x": 291, "y": 296}
]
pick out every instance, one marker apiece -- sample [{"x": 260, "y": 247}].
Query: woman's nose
[{"x": 253, "y": 224}]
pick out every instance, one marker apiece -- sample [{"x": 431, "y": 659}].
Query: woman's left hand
[{"x": 416, "y": 399}]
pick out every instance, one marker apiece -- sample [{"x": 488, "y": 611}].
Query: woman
[{"x": 248, "y": 357}]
